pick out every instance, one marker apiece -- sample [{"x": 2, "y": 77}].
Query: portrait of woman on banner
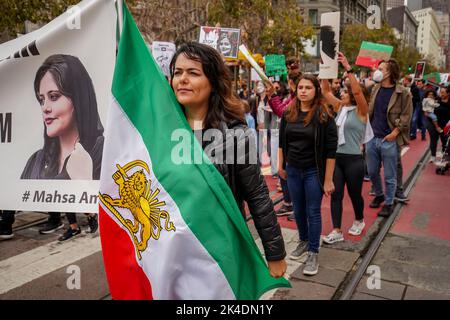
[
  {"x": 229, "y": 43},
  {"x": 73, "y": 133}
]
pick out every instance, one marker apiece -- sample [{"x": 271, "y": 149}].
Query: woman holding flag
[{"x": 202, "y": 85}]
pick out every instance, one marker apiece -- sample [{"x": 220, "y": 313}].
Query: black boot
[
  {"x": 386, "y": 211},
  {"x": 377, "y": 201}
]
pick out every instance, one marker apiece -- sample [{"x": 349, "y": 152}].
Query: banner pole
[{"x": 120, "y": 15}]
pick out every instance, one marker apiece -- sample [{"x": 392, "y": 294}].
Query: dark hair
[
  {"x": 393, "y": 68},
  {"x": 318, "y": 104},
  {"x": 224, "y": 105},
  {"x": 74, "y": 82},
  {"x": 430, "y": 91}
]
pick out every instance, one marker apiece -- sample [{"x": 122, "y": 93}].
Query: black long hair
[
  {"x": 74, "y": 82},
  {"x": 223, "y": 104}
]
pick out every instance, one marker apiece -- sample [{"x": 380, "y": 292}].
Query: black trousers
[
  {"x": 8, "y": 217},
  {"x": 434, "y": 137},
  {"x": 349, "y": 171},
  {"x": 399, "y": 171},
  {"x": 55, "y": 217}
]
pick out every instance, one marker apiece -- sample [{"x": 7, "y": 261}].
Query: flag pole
[{"x": 120, "y": 15}]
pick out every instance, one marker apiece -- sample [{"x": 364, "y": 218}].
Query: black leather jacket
[{"x": 247, "y": 184}]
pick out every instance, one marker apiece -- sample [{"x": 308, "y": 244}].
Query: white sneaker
[
  {"x": 432, "y": 159},
  {"x": 357, "y": 228},
  {"x": 333, "y": 237}
]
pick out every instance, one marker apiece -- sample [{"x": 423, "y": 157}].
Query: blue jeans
[
  {"x": 418, "y": 121},
  {"x": 383, "y": 152},
  {"x": 306, "y": 194}
]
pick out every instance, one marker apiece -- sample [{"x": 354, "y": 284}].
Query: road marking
[
  {"x": 404, "y": 151},
  {"x": 28, "y": 266}
]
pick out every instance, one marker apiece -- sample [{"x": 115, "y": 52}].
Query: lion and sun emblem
[{"x": 135, "y": 195}]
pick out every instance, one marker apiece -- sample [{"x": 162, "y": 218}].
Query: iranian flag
[
  {"x": 371, "y": 54},
  {"x": 168, "y": 231}
]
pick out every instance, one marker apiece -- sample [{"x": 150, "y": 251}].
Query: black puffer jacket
[{"x": 247, "y": 184}]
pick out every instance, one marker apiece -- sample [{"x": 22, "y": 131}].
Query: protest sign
[
  {"x": 55, "y": 93},
  {"x": 420, "y": 70},
  {"x": 329, "y": 45},
  {"x": 371, "y": 54},
  {"x": 275, "y": 64},
  {"x": 163, "y": 53},
  {"x": 224, "y": 40}
]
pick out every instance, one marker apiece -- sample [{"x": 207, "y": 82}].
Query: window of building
[{"x": 313, "y": 16}]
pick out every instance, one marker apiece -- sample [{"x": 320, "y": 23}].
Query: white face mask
[{"x": 377, "y": 76}]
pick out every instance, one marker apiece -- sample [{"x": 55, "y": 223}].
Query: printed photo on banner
[
  {"x": 163, "y": 53},
  {"x": 55, "y": 94},
  {"x": 329, "y": 45},
  {"x": 224, "y": 40},
  {"x": 420, "y": 70}
]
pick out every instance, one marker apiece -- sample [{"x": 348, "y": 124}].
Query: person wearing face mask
[{"x": 390, "y": 112}]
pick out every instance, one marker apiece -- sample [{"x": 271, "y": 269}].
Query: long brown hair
[
  {"x": 293, "y": 110},
  {"x": 224, "y": 105}
]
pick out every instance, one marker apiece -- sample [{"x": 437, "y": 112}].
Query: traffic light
[{"x": 409, "y": 68}]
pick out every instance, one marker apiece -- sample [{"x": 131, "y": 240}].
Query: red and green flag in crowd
[
  {"x": 168, "y": 231},
  {"x": 370, "y": 54}
]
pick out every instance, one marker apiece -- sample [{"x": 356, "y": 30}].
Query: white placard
[
  {"x": 163, "y": 53},
  {"x": 67, "y": 103},
  {"x": 329, "y": 45}
]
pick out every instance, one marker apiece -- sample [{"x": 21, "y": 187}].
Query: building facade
[
  {"x": 404, "y": 23},
  {"x": 428, "y": 34},
  {"x": 414, "y": 5},
  {"x": 443, "y": 19}
]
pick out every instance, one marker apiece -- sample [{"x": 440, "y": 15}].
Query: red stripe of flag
[
  {"x": 126, "y": 279},
  {"x": 367, "y": 62}
]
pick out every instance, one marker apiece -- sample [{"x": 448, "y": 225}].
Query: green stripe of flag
[
  {"x": 200, "y": 192},
  {"x": 377, "y": 47}
]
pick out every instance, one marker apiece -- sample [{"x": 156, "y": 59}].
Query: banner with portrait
[
  {"x": 420, "y": 70},
  {"x": 329, "y": 45},
  {"x": 55, "y": 92},
  {"x": 162, "y": 53},
  {"x": 224, "y": 40}
]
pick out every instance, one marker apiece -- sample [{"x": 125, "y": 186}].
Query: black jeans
[
  {"x": 55, "y": 217},
  {"x": 285, "y": 188},
  {"x": 349, "y": 171},
  {"x": 399, "y": 171},
  {"x": 434, "y": 137},
  {"x": 7, "y": 218}
]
